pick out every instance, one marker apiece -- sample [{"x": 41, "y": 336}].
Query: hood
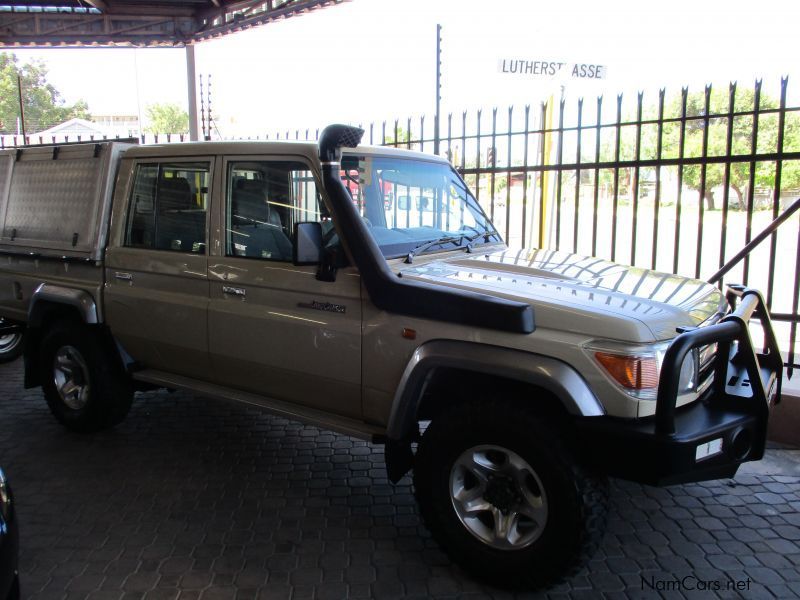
[{"x": 580, "y": 294}]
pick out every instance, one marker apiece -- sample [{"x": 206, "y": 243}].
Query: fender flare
[
  {"x": 78, "y": 299},
  {"x": 42, "y": 301},
  {"x": 553, "y": 375}
]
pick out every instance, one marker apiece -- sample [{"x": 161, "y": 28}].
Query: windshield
[{"x": 407, "y": 203}]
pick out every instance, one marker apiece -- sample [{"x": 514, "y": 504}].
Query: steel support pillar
[{"x": 192, "y": 90}]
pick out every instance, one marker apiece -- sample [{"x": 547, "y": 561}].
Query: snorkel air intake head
[{"x": 336, "y": 137}]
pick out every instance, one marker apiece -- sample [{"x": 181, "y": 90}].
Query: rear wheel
[
  {"x": 10, "y": 346},
  {"x": 503, "y": 494},
  {"x": 84, "y": 388}
]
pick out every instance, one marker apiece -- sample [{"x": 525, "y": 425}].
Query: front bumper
[{"x": 711, "y": 437}]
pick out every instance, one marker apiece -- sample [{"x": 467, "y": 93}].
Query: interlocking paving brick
[{"x": 195, "y": 499}]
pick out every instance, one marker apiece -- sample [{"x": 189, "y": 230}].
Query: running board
[{"x": 310, "y": 416}]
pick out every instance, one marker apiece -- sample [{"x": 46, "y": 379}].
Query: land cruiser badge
[{"x": 324, "y": 306}]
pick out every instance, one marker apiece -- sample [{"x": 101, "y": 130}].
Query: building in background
[{"x": 121, "y": 125}]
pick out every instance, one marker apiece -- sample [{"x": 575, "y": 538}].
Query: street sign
[{"x": 551, "y": 69}]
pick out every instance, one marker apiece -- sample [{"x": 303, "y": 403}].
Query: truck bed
[{"x": 55, "y": 204}]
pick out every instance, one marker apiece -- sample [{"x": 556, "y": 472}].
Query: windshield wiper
[
  {"x": 486, "y": 235},
  {"x": 450, "y": 239}
]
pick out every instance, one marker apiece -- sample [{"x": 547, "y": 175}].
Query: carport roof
[{"x": 46, "y": 23}]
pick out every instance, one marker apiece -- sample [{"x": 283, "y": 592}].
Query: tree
[
  {"x": 167, "y": 118},
  {"x": 741, "y": 142},
  {"x": 694, "y": 132},
  {"x": 403, "y": 137},
  {"x": 42, "y": 103}
]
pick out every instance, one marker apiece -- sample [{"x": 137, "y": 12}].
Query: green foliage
[
  {"x": 167, "y": 118},
  {"x": 403, "y": 137},
  {"x": 741, "y": 142},
  {"x": 42, "y": 103},
  {"x": 714, "y": 133}
]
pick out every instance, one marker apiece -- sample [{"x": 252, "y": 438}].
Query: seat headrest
[
  {"x": 249, "y": 205},
  {"x": 251, "y": 185},
  {"x": 175, "y": 193}
]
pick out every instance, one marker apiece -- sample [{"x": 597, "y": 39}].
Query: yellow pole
[{"x": 548, "y": 137}]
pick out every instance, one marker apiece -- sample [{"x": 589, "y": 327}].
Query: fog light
[{"x": 708, "y": 450}]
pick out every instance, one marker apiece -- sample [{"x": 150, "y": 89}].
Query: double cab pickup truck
[{"x": 364, "y": 290}]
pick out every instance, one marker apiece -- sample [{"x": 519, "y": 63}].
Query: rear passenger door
[
  {"x": 156, "y": 294},
  {"x": 274, "y": 329}
]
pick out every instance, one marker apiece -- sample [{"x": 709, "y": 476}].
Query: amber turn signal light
[{"x": 632, "y": 372}]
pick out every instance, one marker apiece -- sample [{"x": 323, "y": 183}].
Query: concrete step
[{"x": 779, "y": 460}]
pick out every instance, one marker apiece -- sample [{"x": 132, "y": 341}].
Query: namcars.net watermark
[{"x": 692, "y": 583}]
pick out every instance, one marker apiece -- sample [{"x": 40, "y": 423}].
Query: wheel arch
[
  {"x": 50, "y": 304},
  {"x": 476, "y": 366},
  {"x": 48, "y": 296}
]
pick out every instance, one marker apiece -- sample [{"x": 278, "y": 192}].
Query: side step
[{"x": 311, "y": 416}]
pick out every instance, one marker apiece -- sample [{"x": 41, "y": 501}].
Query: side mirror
[{"x": 307, "y": 243}]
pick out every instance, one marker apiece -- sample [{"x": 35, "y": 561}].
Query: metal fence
[{"x": 677, "y": 183}]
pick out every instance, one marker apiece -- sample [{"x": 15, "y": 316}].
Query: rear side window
[{"x": 168, "y": 206}]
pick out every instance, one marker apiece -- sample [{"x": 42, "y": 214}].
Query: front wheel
[
  {"x": 503, "y": 494},
  {"x": 84, "y": 388}
]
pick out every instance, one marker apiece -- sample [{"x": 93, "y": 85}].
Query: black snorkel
[{"x": 388, "y": 291}]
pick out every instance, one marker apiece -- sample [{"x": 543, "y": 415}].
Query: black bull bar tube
[
  {"x": 708, "y": 438},
  {"x": 739, "y": 371}
]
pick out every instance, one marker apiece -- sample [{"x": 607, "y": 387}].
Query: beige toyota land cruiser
[{"x": 365, "y": 291}]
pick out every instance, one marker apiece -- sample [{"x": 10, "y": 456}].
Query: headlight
[{"x": 636, "y": 369}]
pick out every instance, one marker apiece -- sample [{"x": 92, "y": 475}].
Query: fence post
[{"x": 436, "y": 132}]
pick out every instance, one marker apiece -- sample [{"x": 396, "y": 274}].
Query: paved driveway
[{"x": 196, "y": 498}]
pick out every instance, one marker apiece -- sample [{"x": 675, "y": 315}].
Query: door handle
[
  {"x": 123, "y": 276},
  {"x": 234, "y": 291}
]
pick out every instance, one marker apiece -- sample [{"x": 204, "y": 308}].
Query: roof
[
  {"x": 73, "y": 126},
  {"x": 44, "y": 23},
  {"x": 250, "y": 148}
]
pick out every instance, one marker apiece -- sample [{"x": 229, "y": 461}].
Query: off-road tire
[
  {"x": 110, "y": 393},
  {"x": 577, "y": 499}
]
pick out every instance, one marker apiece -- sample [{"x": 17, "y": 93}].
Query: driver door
[{"x": 274, "y": 329}]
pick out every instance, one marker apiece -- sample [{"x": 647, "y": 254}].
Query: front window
[
  {"x": 407, "y": 203},
  {"x": 266, "y": 199}
]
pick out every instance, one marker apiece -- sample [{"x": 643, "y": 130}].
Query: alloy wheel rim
[
  {"x": 71, "y": 377},
  {"x": 498, "y": 497},
  {"x": 9, "y": 342}
]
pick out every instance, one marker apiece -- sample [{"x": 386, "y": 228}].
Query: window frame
[
  {"x": 226, "y": 196},
  {"x": 161, "y": 161}
]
